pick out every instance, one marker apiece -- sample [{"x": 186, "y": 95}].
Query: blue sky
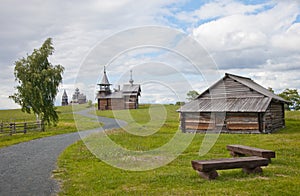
[{"x": 258, "y": 39}]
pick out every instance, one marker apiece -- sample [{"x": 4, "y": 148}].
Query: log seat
[
  {"x": 207, "y": 168},
  {"x": 241, "y": 150}
]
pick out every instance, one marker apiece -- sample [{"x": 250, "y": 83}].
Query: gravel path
[{"x": 26, "y": 168}]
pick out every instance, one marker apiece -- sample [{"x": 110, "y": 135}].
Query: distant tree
[
  {"x": 271, "y": 89},
  {"x": 38, "y": 82},
  {"x": 191, "y": 95},
  {"x": 293, "y": 96},
  {"x": 180, "y": 103},
  {"x": 90, "y": 103}
]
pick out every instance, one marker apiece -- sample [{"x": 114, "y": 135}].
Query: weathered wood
[
  {"x": 20, "y": 127},
  {"x": 25, "y": 127},
  {"x": 248, "y": 106},
  {"x": 210, "y": 175},
  {"x": 182, "y": 122},
  {"x": 207, "y": 168},
  {"x": 237, "y": 150},
  {"x": 274, "y": 117},
  {"x": 229, "y": 163},
  {"x": 230, "y": 88}
]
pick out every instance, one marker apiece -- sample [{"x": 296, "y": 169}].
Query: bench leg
[
  {"x": 252, "y": 170},
  {"x": 211, "y": 175},
  {"x": 236, "y": 154}
]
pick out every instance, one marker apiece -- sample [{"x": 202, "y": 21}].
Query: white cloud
[
  {"x": 217, "y": 9},
  {"x": 288, "y": 40},
  {"x": 260, "y": 41},
  {"x": 264, "y": 45},
  {"x": 240, "y": 31},
  {"x": 75, "y": 26}
]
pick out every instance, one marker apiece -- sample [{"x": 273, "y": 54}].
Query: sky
[{"x": 172, "y": 46}]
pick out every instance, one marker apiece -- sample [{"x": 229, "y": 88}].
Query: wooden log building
[
  {"x": 234, "y": 104},
  {"x": 127, "y": 98}
]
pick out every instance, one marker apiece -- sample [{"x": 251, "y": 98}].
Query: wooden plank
[
  {"x": 247, "y": 150},
  {"x": 230, "y": 88},
  {"x": 242, "y": 127},
  {"x": 230, "y": 163}
]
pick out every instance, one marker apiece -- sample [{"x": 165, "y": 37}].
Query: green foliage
[
  {"x": 271, "y": 89},
  {"x": 81, "y": 173},
  {"x": 180, "y": 103},
  {"x": 293, "y": 96},
  {"x": 191, "y": 95},
  {"x": 38, "y": 82},
  {"x": 90, "y": 103}
]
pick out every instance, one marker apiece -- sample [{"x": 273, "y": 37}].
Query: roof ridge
[
  {"x": 236, "y": 97},
  {"x": 262, "y": 90},
  {"x": 229, "y": 74}
]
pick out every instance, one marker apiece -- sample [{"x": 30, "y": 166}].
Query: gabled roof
[
  {"x": 250, "y": 84},
  {"x": 253, "y": 85},
  {"x": 239, "y": 103},
  {"x": 131, "y": 88}
]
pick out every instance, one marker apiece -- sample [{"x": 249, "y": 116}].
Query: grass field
[
  {"x": 66, "y": 124},
  {"x": 81, "y": 173}
]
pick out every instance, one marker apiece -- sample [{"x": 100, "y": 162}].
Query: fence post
[
  {"x": 1, "y": 127},
  {"x": 25, "y": 127},
  {"x": 11, "y": 129},
  {"x": 43, "y": 126}
]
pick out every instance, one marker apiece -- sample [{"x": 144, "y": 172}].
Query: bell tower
[
  {"x": 104, "y": 85},
  {"x": 64, "y": 99}
]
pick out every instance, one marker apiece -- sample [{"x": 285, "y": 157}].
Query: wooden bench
[
  {"x": 240, "y": 150},
  {"x": 207, "y": 168}
]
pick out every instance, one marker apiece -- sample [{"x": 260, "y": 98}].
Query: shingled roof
[
  {"x": 130, "y": 88},
  {"x": 258, "y": 102},
  {"x": 104, "y": 78},
  {"x": 253, "y": 85}
]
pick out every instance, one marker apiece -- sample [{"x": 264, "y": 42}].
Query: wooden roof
[
  {"x": 130, "y": 88},
  {"x": 232, "y": 94},
  {"x": 245, "y": 104},
  {"x": 104, "y": 80},
  {"x": 253, "y": 85}
]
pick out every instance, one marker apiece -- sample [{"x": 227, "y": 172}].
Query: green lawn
[
  {"x": 66, "y": 124},
  {"x": 81, "y": 173}
]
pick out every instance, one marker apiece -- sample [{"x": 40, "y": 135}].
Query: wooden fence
[{"x": 10, "y": 128}]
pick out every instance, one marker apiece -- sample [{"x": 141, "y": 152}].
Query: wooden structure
[
  {"x": 78, "y": 98},
  {"x": 207, "y": 168},
  {"x": 241, "y": 150},
  {"x": 11, "y": 128},
  {"x": 234, "y": 104},
  {"x": 127, "y": 98},
  {"x": 64, "y": 99}
]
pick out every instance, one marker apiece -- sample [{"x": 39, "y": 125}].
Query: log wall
[
  {"x": 197, "y": 121},
  {"x": 117, "y": 103},
  {"x": 104, "y": 104},
  {"x": 274, "y": 117},
  {"x": 242, "y": 121},
  {"x": 229, "y": 122}
]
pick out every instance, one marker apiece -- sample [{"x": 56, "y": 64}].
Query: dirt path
[{"x": 26, "y": 168}]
